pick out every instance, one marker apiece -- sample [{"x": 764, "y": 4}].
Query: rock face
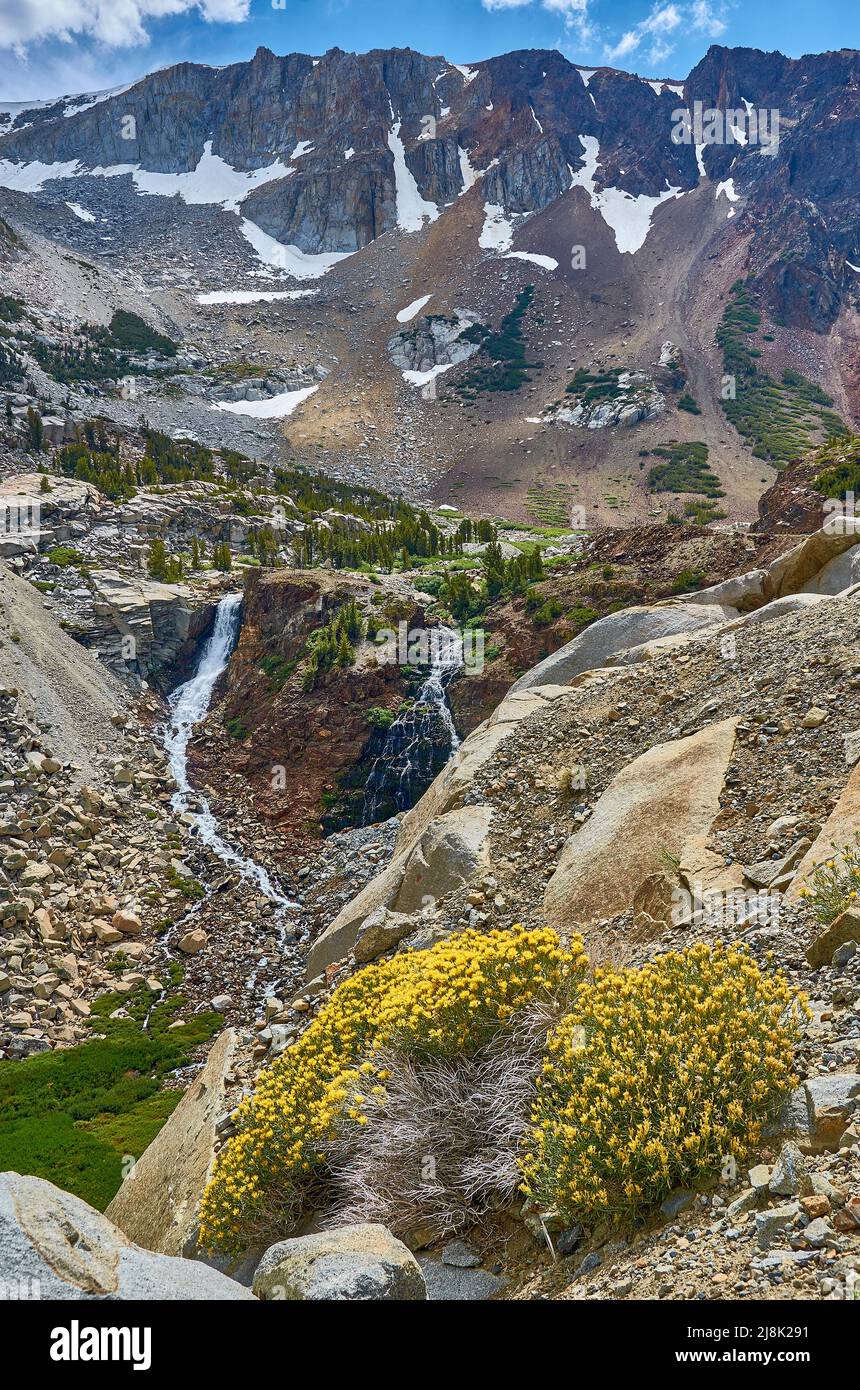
[
  {"x": 319, "y": 734},
  {"x": 54, "y": 1240},
  {"x": 342, "y": 137},
  {"x": 652, "y": 807},
  {"x": 433, "y": 341},
  {"x": 157, "y": 1204},
  {"x": 148, "y": 625},
  {"x": 635, "y": 398},
  {"x": 350, "y": 1264}
]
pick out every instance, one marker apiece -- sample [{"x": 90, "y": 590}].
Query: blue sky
[{"x": 52, "y": 47}]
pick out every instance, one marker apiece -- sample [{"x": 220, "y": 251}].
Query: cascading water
[
  {"x": 420, "y": 739},
  {"x": 189, "y": 703}
]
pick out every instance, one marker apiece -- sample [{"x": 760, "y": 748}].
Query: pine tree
[
  {"x": 158, "y": 559},
  {"x": 35, "y": 430}
]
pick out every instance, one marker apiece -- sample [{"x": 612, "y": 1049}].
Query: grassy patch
[
  {"x": 781, "y": 419},
  {"x": 72, "y": 1116},
  {"x": 500, "y": 364},
  {"x": 685, "y": 470}
]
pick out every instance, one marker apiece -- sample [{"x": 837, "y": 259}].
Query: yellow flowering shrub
[
  {"x": 442, "y": 1002},
  {"x": 654, "y": 1078},
  {"x": 834, "y": 884}
]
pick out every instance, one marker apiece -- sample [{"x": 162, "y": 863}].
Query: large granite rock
[
  {"x": 450, "y": 852},
  {"x": 618, "y": 632},
  {"x": 818, "y": 1112},
  {"x": 349, "y": 1264},
  {"x": 71, "y": 1252},
  {"x": 157, "y": 1204},
  {"x": 845, "y": 928},
  {"x": 651, "y": 808},
  {"x": 840, "y": 829},
  {"x": 808, "y": 567},
  {"x": 149, "y": 625}
]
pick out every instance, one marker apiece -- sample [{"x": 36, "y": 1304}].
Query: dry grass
[{"x": 442, "y": 1152}]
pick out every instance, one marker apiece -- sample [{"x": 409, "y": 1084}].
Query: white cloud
[
  {"x": 627, "y": 44},
  {"x": 574, "y": 12},
  {"x": 706, "y": 21},
  {"x": 115, "y": 23},
  {"x": 663, "y": 21}
]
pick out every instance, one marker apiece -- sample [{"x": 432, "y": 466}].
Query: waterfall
[
  {"x": 410, "y": 756},
  {"x": 189, "y": 704}
]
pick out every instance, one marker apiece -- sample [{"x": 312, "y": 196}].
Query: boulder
[
  {"x": 838, "y": 574},
  {"x": 616, "y": 633},
  {"x": 796, "y": 571},
  {"x": 127, "y": 922},
  {"x": 157, "y": 1204},
  {"x": 777, "y": 608},
  {"x": 832, "y": 1101},
  {"x": 817, "y": 1112},
  {"x": 449, "y": 854},
  {"x": 846, "y": 927},
  {"x": 840, "y": 829},
  {"x": 381, "y": 931},
  {"x": 652, "y": 807},
  {"x": 349, "y": 1264},
  {"x": 772, "y": 1224},
  {"x": 54, "y": 1240},
  {"x": 192, "y": 941},
  {"x": 790, "y": 1176}
]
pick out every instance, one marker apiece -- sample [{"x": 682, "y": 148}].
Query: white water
[
  {"x": 404, "y": 768},
  {"x": 189, "y": 703}
]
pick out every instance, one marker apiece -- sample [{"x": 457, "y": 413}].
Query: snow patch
[
  {"x": 628, "y": 217},
  {"x": 347, "y": 154},
  {"x": 468, "y": 74},
  {"x": 213, "y": 181},
  {"x": 497, "y": 233},
  {"x": 83, "y": 213},
  {"x": 547, "y": 262},
  {"x": 32, "y": 177},
  {"x": 275, "y": 408},
  {"x": 424, "y": 378},
  {"x": 728, "y": 187},
  {"x": 467, "y": 173},
  {"x": 586, "y": 74},
  {"x": 414, "y": 308},
  {"x": 535, "y": 119},
  {"x": 412, "y": 209},
  {"x": 302, "y": 265},
  {"x": 303, "y": 147},
  {"x": 252, "y": 296}
]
